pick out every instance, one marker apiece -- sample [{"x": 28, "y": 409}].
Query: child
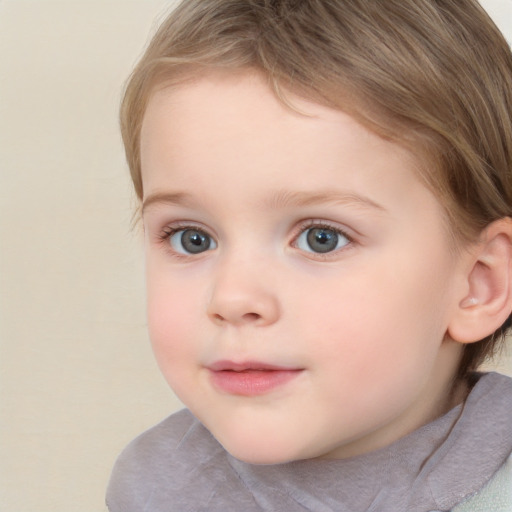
[{"x": 326, "y": 195}]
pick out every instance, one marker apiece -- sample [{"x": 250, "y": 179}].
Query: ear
[{"x": 487, "y": 300}]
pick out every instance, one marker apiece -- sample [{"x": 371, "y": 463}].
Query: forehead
[{"x": 236, "y": 123}]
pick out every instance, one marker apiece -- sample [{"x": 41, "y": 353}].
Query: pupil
[
  {"x": 195, "y": 241},
  {"x": 322, "y": 239}
]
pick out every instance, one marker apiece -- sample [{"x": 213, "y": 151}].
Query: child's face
[{"x": 300, "y": 280}]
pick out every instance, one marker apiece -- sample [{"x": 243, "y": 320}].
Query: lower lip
[{"x": 251, "y": 382}]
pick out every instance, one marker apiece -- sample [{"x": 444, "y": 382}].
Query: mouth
[{"x": 250, "y": 378}]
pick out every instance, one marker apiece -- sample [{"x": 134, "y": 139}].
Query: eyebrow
[
  {"x": 280, "y": 199},
  {"x": 285, "y": 198},
  {"x": 175, "y": 198}
]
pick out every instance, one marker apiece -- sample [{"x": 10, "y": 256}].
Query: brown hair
[{"x": 434, "y": 75}]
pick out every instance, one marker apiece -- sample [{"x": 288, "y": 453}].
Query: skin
[{"x": 365, "y": 324}]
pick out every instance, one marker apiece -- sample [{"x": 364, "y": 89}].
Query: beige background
[{"x": 77, "y": 378}]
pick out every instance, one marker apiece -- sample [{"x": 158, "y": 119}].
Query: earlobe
[{"x": 488, "y": 302}]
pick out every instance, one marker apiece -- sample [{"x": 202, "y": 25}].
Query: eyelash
[
  {"x": 322, "y": 224},
  {"x": 167, "y": 232}
]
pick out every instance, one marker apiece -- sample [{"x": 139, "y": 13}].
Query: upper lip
[{"x": 225, "y": 365}]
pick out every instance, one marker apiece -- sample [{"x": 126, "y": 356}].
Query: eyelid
[
  {"x": 173, "y": 227},
  {"x": 164, "y": 234},
  {"x": 321, "y": 223}
]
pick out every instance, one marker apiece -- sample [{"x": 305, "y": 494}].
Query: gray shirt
[{"x": 178, "y": 466}]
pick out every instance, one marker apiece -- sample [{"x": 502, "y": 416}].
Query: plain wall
[{"x": 77, "y": 377}]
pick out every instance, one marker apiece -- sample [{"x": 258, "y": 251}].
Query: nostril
[
  {"x": 251, "y": 316},
  {"x": 247, "y": 317},
  {"x": 218, "y": 318}
]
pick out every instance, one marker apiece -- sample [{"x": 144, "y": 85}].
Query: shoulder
[
  {"x": 496, "y": 496},
  {"x": 157, "y": 458},
  {"x": 468, "y": 471},
  {"x": 494, "y": 400},
  {"x": 159, "y": 441},
  {"x": 176, "y": 466}
]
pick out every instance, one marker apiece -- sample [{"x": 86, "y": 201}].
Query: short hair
[{"x": 432, "y": 75}]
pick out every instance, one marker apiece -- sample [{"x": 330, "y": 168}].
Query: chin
[
  {"x": 263, "y": 451},
  {"x": 259, "y": 458},
  {"x": 254, "y": 441}
]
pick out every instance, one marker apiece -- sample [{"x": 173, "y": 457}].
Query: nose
[{"x": 241, "y": 295}]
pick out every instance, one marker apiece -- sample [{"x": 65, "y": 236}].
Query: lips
[{"x": 250, "y": 378}]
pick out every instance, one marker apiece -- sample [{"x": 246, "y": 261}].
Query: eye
[
  {"x": 321, "y": 239},
  {"x": 191, "y": 241}
]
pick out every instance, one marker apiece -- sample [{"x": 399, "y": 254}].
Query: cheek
[
  {"x": 374, "y": 346},
  {"x": 170, "y": 311},
  {"x": 373, "y": 320}
]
